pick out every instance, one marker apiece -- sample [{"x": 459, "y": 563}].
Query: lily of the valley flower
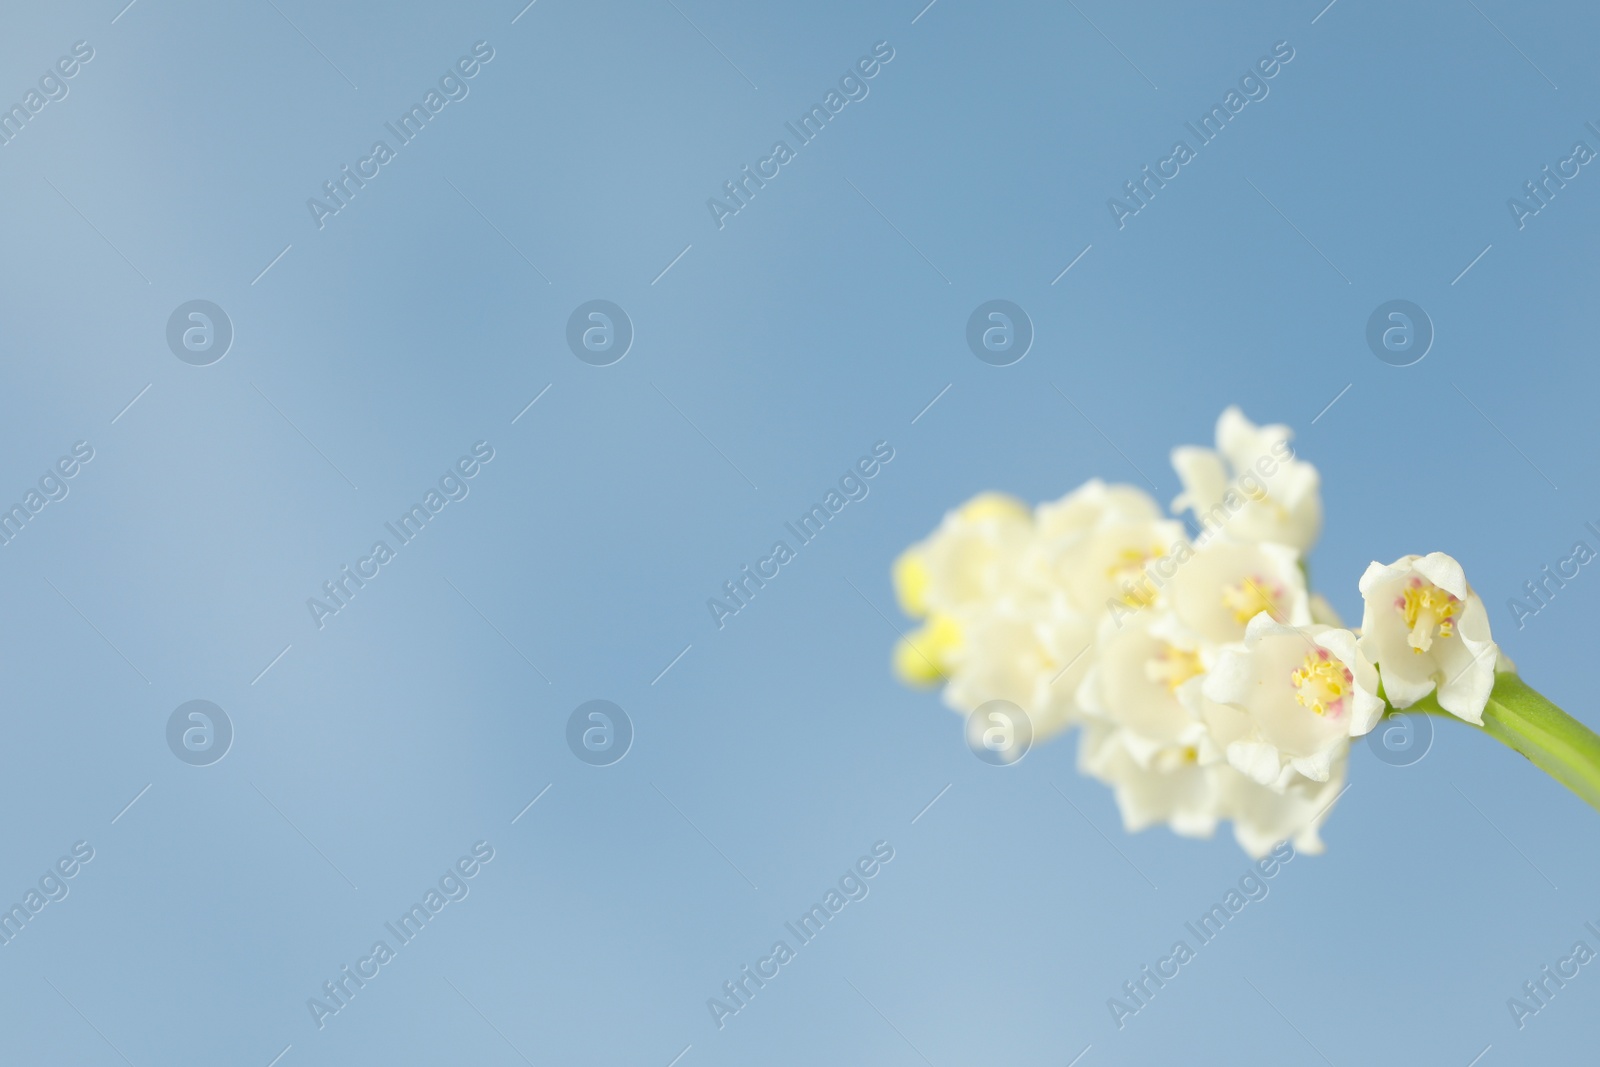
[
  {"x": 969, "y": 558},
  {"x": 1029, "y": 654},
  {"x": 1285, "y": 703},
  {"x": 1191, "y": 797},
  {"x": 1215, "y": 594},
  {"x": 1092, "y": 505},
  {"x": 1212, "y": 685},
  {"x": 964, "y": 567},
  {"x": 1136, "y": 683},
  {"x": 1251, "y": 485},
  {"x": 1174, "y": 789},
  {"x": 1428, "y": 631},
  {"x": 1097, "y": 543},
  {"x": 1263, "y": 817}
]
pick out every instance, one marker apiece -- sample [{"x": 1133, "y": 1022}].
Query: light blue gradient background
[{"x": 796, "y": 337}]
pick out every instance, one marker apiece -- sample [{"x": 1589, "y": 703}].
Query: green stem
[{"x": 1522, "y": 719}]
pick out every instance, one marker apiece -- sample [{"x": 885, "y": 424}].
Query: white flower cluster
[{"x": 1210, "y": 683}]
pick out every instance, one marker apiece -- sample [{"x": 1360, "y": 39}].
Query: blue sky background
[{"x": 821, "y": 319}]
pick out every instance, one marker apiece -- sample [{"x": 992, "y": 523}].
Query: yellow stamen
[
  {"x": 1251, "y": 597},
  {"x": 1128, "y": 573},
  {"x": 1175, "y": 759},
  {"x": 1427, "y": 609},
  {"x": 1173, "y": 666},
  {"x": 1321, "y": 683}
]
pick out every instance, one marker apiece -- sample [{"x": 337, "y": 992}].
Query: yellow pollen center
[
  {"x": 1169, "y": 760},
  {"x": 1427, "y": 609},
  {"x": 1173, "y": 666},
  {"x": 1251, "y": 597},
  {"x": 1128, "y": 572},
  {"x": 1321, "y": 682}
]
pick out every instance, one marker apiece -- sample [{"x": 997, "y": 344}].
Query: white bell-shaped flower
[
  {"x": 1301, "y": 693},
  {"x": 1226, "y": 583},
  {"x": 1172, "y": 789},
  {"x": 1036, "y": 659},
  {"x": 1137, "y": 682},
  {"x": 1251, "y": 486},
  {"x": 1427, "y": 630},
  {"x": 1263, "y": 817},
  {"x": 1097, "y": 545},
  {"x": 971, "y": 558}
]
